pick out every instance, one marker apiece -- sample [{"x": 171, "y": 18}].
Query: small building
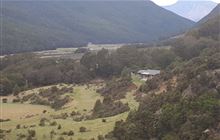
[{"x": 147, "y": 74}]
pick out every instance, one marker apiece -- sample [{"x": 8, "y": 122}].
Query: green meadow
[{"x": 28, "y": 116}]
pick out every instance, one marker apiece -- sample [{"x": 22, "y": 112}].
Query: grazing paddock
[
  {"x": 18, "y": 111},
  {"x": 84, "y": 98},
  {"x": 94, "y": 128}
]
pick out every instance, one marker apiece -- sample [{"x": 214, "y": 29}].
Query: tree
[
  {"x": 97, "y": 106},
  {"x": 126, "y": 74},
  {"x": 16, "y": 89}
]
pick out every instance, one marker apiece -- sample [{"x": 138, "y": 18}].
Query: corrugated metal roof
[{"x": 149, "y": 72}]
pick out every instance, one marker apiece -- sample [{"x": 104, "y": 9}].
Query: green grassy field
[
  {"x": 16, "y": 111},
  {"x": 84, "y": 98}
]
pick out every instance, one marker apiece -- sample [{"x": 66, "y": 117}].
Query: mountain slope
[
  {"x": 215, "y": 12},
  {"x": 32, "y": 25},
  {"x": 194, "y": 10},
  {"x": 188, "y": 108}
]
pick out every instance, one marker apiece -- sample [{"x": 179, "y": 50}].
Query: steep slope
[
  {"x": 210, "y": 28},
  {"x": 194, "y": 10},
  {"x": 39, "y": 25},
  {"x": 189, "y": 106},
  {"x": 215, "y": 12}
]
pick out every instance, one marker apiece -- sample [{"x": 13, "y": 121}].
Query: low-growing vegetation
[
  {"x": 108, "y": 108},
  {"x": 53, "y": 96},
  {"x": 189, "y": 109}
]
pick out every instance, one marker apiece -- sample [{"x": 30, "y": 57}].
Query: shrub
[
  {"x": 108, "y": 108},
  {"x": 31, "y": 133},
  {"x": 16, "y": 100},
  {"x": 4, "y": 100},
  {"x": 100, "y": 137},
  {"x": 82, "y": 129},
  {"x": 42, "y": 122},
  {"x": 21, "y": 136},
  {"x": 54, "y": 89},
  {"x": 4, "y": 120},
  {"x": 54, "y": 123},
  {"x": 8, "y": 131},
  {"x": 73, "y": 113},
  {"x": 70, "y": 133},
  {"x": 52, "y": 133},
  {"x": 64, "y": 133},
  {"x": 59, "y": 126},
  {"x": 59, "y": 103},
  {"x": 18, "y": 126}
]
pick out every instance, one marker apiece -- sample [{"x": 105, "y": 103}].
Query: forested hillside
[
  {"x": 188, "y": 106},
  {"x": 40, "y": 25}
]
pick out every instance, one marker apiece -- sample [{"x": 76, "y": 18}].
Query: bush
[
  {"x": 54, "y": 123},
  {"x": 43, "y": 122},
  {"x": 100, "y": 137},
  {"x": 16, "y": 100},
  {"x": 31, "y": 133},
  {"x": 108, "y": 108},
  {"x": 18, "y": 126},
  {"x": 59, "y": 103},
  {"x": 21, "y": 136},
  {"x": 4, "y": 100},
  {"x": 59, "y": 126},
  {"x": 70, "y": 133},
  {"x": 73, "y": 113},
  {"x": 82, "y": 129},
  {"x": 52, "y": 133},
  {"x": 4, "y": 120},
  {"x": 64, "y": 133}
]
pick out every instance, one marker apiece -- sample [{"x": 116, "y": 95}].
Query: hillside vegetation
[
  {"x": 101, "y": 97},
  {"x": 215, "y": 12},
  {"x": 42, "y": 25},
  {"x": 188, "y": 108}
]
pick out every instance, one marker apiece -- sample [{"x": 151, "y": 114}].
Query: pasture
[
  {"x": 84, "y": 98},
  {"x": 69, "y": 53}
]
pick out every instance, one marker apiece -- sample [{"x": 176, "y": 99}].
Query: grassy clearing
[
  {"x": 18, "y": 111},
  {"x": 95, "y": 127},
  {"x": 84, "y": 97},
  {"x": 133, "y": 104},
  {"x": 137, "y": 80}
]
